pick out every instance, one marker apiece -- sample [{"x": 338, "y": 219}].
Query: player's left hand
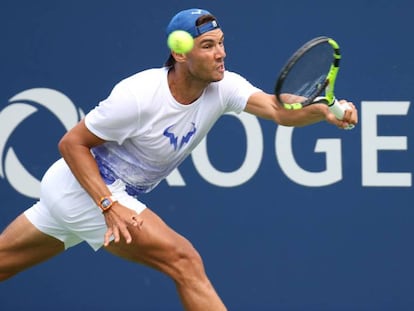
[{"x": 120, "y": 220}]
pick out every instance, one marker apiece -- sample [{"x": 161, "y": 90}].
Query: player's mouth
[{"x": 221, "y": 68}]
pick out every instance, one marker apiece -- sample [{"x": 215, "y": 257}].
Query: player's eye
[{"x": 207, "y": 45}]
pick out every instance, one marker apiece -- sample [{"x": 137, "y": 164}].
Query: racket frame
[{"x": 329, "y": 83}]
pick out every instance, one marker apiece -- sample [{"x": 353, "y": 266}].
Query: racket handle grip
[
  {"x": 336, "y": 108},
  {"x": 339, "y": 110}
]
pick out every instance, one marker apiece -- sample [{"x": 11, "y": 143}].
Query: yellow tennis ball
[{"x": 180, "y": 41}]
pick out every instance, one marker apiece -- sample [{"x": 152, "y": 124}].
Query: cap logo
[{"x": 198, "y": 12}]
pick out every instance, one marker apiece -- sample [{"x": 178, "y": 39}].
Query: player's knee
[{"x": 187, "y": 264}]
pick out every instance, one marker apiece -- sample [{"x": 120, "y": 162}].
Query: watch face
[{"x": 105, "y": 203}]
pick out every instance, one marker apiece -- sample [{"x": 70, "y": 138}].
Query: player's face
[{"x": 206, "y": 59}]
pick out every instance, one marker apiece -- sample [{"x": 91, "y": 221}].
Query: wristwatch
[{"x": 105, "y": 203}]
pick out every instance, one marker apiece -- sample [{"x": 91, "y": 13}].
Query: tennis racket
[{"x": 309, "y": 77}]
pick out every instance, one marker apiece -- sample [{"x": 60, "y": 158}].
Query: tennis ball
[{"x": 180, "y": 41}]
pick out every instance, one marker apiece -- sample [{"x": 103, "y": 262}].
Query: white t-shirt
[{"x": 149, "y": 133}]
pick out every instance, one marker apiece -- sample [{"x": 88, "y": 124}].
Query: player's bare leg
[
  {"x": 23, "y": 246},
  {"x": 157, "y": 245}
]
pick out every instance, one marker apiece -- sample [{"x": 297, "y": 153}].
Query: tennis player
[{"x": 125, "y": 146}]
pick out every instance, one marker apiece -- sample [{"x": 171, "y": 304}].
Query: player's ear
[{"x": 179, "y": 57}]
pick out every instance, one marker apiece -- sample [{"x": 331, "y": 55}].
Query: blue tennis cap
[{"x": 186, "y": 20}]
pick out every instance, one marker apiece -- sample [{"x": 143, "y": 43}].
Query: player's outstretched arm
[{"x": 265, "y": 106}]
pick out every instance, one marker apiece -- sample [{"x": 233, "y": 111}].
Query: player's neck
[{"x": 184, "y": 88}]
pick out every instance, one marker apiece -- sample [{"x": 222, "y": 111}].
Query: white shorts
[{"x": 66, "y": 212}]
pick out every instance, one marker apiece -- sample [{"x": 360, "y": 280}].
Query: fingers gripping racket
[{"x": 309, "y": 77}]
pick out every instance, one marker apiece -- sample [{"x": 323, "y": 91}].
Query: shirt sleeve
[
  {"x": 115, "y": 118},
  {"x": 237, "y": 91}
]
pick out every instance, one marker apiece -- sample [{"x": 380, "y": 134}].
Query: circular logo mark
[{"x": 13, "y": 115}]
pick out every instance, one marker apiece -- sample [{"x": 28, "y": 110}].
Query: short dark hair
[{"x": 200, "y": 21}]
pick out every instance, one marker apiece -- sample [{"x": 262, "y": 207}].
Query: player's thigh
[
  {"x": 22, "y": 245},
  {"x": 154, "y": 244}
]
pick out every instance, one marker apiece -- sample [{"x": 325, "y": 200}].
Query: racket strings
[{"x": 305, "y": 76}]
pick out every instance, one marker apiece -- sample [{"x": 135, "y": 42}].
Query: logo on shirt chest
[{"x": 179, "y": 136}]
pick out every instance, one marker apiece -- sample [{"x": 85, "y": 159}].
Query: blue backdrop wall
[{"x": 326, "y": 228}]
